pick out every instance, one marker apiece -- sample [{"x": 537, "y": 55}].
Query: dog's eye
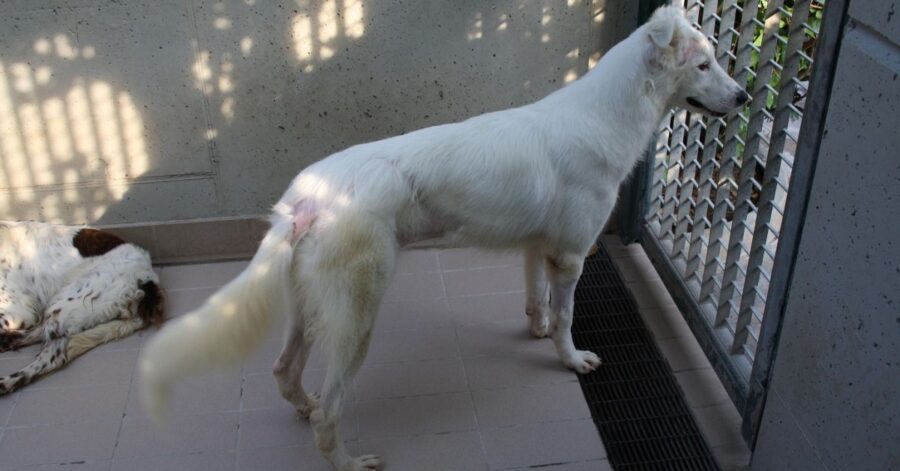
[{"x": 704, "y": 66}]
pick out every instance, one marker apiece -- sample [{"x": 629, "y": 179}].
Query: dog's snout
[{"x": 741, "y": 98}]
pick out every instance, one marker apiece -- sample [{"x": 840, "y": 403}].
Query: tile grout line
[
  {"x": 115, "y": 447},
  {"x": 15, "y": 400},
  {"x": 472, "y": 399},
  {"x": 466, "y": 377},
  {"x": 240, "y": 415}
]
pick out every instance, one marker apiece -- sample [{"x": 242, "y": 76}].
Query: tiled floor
[{"x": 452, "y": 381}]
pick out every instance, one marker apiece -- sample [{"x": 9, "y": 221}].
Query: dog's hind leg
[
  {"x": 51, "y": 357},
  {"x": 288, "y": 369},
  {"x": 537, "y": 293},
  {"x": 564, "y": 271},
  {"x": 356, "y": 260}
]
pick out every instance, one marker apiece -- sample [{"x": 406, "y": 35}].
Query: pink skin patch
[{"x": 304, "y": 216}]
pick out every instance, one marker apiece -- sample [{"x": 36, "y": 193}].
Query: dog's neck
[{"x": 624, "y": 96}]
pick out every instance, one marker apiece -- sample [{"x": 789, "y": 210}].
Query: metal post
[{"x": 812, "y": 128}]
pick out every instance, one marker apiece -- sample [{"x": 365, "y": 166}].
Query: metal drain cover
[{"x": 634, "y": 399}]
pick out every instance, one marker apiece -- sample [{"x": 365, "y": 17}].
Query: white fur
[
  {"x": 542, "y": 178},
  {"x": 49, "y": 293}
]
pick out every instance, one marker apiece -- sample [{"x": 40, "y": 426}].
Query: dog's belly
[{"x": 451, "y": 231}]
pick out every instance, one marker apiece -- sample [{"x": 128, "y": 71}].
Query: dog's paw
[
  {"x": 367, "y": 463},
  {"x": 540, "y": 326},
  {"x": 583, "y": 361},
  {"x": 306, "y": 408}
]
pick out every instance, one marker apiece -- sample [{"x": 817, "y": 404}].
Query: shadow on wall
[{"x": 146, "y": 111}]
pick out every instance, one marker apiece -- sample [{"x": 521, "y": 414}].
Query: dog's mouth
[{"x": 696, "y": 104}]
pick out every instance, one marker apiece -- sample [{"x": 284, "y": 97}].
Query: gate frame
[{"x": 748, "y": 394}]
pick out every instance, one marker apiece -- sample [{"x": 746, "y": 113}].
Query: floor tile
[
  {"x": 650, "y": 294},
  {"x": 720, "y": 424},
  {"x": 701, "y": 387},
  {"x": 472, "y": 310},
  {"x": 60, "y": 443},
  {"x": 735, "y": 456},
  {"x": 499, "y": 337},
  {"x": 200, "y": 275},
  {"x": 613, "y": 245},
  {"x": 28, "y": 353},
  {"x": 414, "y": 400},
  {"x": 411, "y": 416},
  {"x": 263, "y": 428},
  {"x": 78, "y": 465},
  {"x": 636, "y": 267},
  {"x": 527, "y": 405},
  {"x": 93, "y": 368},
  {"x": 7, "y": 403},
  {"x": 223, "y": 460},
  {"x": 260, "y": 390},
  {"x": 91, "y": 403},
  {"x": 459, "y": 451},
  {"x": 417, "y": 261},
  {"x": 467, "y": 259},
  {"x": 666, "y": 323},
  {"x": 415, "y": 286},
  {"x": 179, "y": 434},
  {"x": 412, "y": 345},
  {"x": 544, "y": 443},
  {"x": 683, "y": 353},
  {"x": 293, "y": 458},
  {"x": 380, "y": 381},
  {"x": 414, "y": 314},
  {"x": 211, "y": 392},
  {"x": 517, "y": 369},
  {"x": 484, "y": 281}
]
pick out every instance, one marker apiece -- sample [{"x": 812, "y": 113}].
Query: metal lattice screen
[{"x": 719, "y": 186}]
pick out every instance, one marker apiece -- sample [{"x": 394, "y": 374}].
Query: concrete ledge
[{"x": 196, "y": 240}]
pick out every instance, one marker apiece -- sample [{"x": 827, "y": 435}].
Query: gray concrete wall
[
  {"x": 166, "y": 110},
  {"x": 833, "y": 402}
]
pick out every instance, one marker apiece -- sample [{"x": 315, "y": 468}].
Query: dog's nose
[{"x": 742, "y": 97}]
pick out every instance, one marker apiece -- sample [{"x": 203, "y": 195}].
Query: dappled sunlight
[
  {"x": 477, "y": 29},
  {"x": 318, "y": 33},
  {"x": 68, "y": 149}
]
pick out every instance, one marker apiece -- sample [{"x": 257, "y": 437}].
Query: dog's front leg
[
  {"x": 537, "y": 293},
  {"x": 564, "y": 271}
]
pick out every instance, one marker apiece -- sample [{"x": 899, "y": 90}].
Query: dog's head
[{"x": 685, "y": 59}]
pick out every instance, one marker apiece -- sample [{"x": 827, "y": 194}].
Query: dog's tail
[{"x": 225, "y": 328}]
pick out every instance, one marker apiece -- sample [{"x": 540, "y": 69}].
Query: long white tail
[{"x": 225, "y": 328}]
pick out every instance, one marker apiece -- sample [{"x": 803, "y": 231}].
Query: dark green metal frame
[{"x": 748, "y": 396}]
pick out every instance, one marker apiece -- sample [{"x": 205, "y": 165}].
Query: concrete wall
[
  {"x": 137, "y": 112},
  {"x": 833, "y": 402}
]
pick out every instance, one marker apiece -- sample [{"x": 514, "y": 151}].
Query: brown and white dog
[{"x": 72, "y": 288}]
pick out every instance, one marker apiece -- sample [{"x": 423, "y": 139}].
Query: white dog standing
[{"x": 542, "y": 178}]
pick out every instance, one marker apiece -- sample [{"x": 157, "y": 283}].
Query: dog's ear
[
  {"x": 671, "y": 47},
  {"x": 663, "y": 25},
  {"x": 662, "y": 31}
]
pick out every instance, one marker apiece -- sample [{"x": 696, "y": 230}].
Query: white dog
[{"x": 542, "y": 178}]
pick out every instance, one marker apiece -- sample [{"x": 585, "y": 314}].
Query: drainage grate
[{"x": 634, "y": 399}]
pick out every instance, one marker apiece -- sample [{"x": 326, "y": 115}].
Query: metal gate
[{"x": 710, "y": 204}]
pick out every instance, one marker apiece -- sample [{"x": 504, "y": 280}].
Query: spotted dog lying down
[{"x": 72, "y": 288}]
